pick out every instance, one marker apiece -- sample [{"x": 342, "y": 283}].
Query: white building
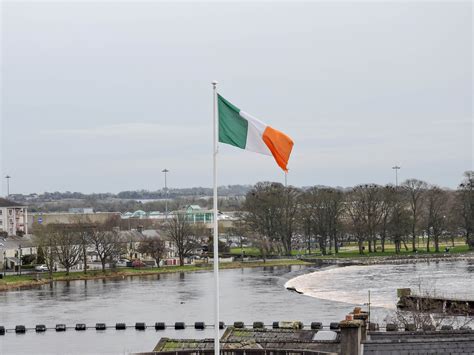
[
  {"x": 12, "y": 248},
  {"x": 13, "y": 217}
]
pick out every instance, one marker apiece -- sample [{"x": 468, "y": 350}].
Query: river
[{"x": 247, "y": 295}]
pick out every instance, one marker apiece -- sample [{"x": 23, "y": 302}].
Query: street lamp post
[
  {"x": 8, "y": 177},
  {"x": 166, "y": 171},
  {"x": 4, "y": 263},
  {"x": 396, "y": 168},
  {"x": 19, "y": 254}
]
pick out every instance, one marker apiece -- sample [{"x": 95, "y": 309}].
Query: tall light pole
[
  {"x": 166, "y": 171},
  {"x": 396, "y": 168},
  {"x": 8, "y": 177}
]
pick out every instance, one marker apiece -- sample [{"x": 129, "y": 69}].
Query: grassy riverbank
[
  {"x": 352, "y": 251},
  {"x": 30, "y": 280},
  {"x": 348, "y": 252},
  {"x": 390, "y": 252}
]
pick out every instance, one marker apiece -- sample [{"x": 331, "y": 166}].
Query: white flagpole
[{"x": 216, "y": 231}]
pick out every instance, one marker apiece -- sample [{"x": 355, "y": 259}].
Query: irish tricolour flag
[{"x": 240, "y": 129}]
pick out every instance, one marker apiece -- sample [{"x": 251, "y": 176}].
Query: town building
[
  {"x": 355, "y": 335},
  {"x": 13, "y": 217},
  {"x": 81, "y": 210},
  {"x": 13, "y": 248},
  {"x": 35, "y": 219},
  {"x": 196, "y": 214}
]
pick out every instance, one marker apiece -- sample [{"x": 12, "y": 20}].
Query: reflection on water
[{"x": 246, "y": 295}]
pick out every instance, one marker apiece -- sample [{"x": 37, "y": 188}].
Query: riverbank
[
  {"x": 38, "y": 279},
  {"x": 351, "y": 250},
  {"x": 370, "y": 259}
]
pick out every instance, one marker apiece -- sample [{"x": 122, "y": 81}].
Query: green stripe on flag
[{"x": 232, "y": 127}]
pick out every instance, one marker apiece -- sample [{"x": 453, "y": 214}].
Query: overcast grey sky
[{"x": 101, "y": 96}]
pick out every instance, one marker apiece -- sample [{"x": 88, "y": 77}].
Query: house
[
  {"x": 13, "y": 217},
  {"x": 171, "y": 251},
  {"x": 13, "y": 248}
]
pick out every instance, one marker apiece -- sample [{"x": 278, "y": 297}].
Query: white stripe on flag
[{"x": 255, "y": 131}]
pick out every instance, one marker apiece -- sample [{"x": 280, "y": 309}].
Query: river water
[{"x": 247, "y": 295}]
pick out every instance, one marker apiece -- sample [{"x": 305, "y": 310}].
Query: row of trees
[
  {"x": 277, "y": 216},
  {"x": 69, "y": 244},
  {"x": 128, "y": 205}
]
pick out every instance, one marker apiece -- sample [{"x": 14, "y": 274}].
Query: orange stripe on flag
[{"x": 279, "y": 144}]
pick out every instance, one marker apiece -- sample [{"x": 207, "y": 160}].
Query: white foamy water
[{"x": 351, "y": 284}]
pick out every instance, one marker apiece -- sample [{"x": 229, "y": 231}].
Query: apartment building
[{"x": 13, "y": 217}]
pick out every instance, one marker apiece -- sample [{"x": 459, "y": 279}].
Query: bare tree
[
  {"x": 435, "y": 217},
  {"x": 321, "y": 210},
  {"x": 318, "y": 217},
  {"x": 389, "y": 200},
  {"x": 67, "y": 245},
  {"x": 45, "y": 239},
  {"x": 414, "y": 192},
  {"x": 356, "y": 227},
  {"x": 364, "y": 209},
  {"x": 335, "y": 208},
  {"x": 398, "y": 224},
  {"x": 155, "y": 247},
  {"x": 84, "y": 228},
  {"x": 105, "y": 239},
  {"x": 288, "y": 209},
  {"x": 180, "y": 232},
  {"x": 465, "y": 203},
  {"x": 261, "y": 212},
  {"x": 305, "y": 221}
]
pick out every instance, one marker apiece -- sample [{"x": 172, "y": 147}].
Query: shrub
[{"x": 27, "y": 259}]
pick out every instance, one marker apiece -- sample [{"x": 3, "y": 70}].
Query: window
[{"x": 1, "y": 212}]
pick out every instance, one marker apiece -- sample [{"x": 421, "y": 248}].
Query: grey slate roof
[
  {"x": 13, "y": 242},
  {"x": 405, "y": 343},
  {"x": 8, "y": 203},
  {"x": 233, "y": 338}
]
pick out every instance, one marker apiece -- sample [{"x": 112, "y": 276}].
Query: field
[{"x": 351, "y": 250}]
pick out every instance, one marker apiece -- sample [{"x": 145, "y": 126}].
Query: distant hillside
[{"x": 229, "y": 196}]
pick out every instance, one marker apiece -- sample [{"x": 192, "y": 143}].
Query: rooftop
[
  {"x": 13, "y": 242},
  {"x": 243, "y": 338},
  {"x": 8, "y": 203}
]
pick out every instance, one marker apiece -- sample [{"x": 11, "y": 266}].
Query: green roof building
[{"x": 195, "y": 214}]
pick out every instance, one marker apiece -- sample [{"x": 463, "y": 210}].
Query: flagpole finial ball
[{"x": 214, "y": 83}]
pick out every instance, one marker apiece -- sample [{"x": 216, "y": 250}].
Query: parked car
[
  {"x": 41, "y": 268},
  {"x": 123, "y": 262},
  {"x": 138, "y": 263}
]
